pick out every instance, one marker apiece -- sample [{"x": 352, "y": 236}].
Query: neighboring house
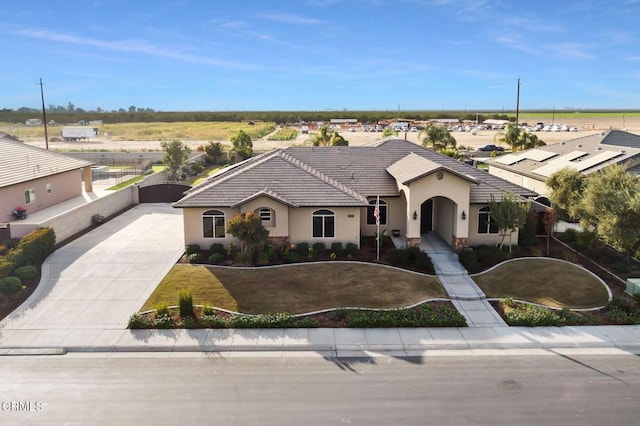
[
  {"x": 328, "y": 194},
  {"x": 587, "y": 154},
  {"x": 35, "y": 178}
]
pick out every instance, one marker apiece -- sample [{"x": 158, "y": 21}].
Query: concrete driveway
[{"x": 98, "y": 280}]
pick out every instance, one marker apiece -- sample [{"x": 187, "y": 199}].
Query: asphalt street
[{"x": 562, "y": 388}]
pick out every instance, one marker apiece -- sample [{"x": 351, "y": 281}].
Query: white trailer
[{"x": 75, "y": 133}]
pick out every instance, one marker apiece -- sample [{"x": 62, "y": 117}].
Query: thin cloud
[
  {"x": 129, "y": 46},
  {"x": 570, "y": 50},
  {"x": 291, "y": 19}
]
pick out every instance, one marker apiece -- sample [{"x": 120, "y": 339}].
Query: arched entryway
[{"x": 438, "y": 214}]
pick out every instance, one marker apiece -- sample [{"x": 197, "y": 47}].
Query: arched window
[
  {"x": 213, "y": 224},
  {"x": 324, "y": 223},
  {"x": 267, "y": 216},
  {"x": 371, "y": 219},
  {"x": 485, "y": 224}
]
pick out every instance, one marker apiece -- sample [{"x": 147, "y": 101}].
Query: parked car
[{"x": 489, "y": 148}]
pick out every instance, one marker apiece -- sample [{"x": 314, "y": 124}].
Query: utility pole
[
  {"x": 44, "y": 116},
  {"x": 518, "y": 104}
]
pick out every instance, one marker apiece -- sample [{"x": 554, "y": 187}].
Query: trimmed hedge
[
  {"x": 32, "y": 249},
  {"x": 26, "y": 272},
  {"x": 10, "y": 285}
]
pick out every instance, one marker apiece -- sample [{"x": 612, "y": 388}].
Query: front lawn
[
  {"x": 297, "y": 288},
  {"x": 544, "y": 281}
]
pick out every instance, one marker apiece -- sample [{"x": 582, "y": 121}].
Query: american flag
[{"x": 376, "y": 211}]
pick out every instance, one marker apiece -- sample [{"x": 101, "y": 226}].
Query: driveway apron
[{"x": 100, "y": 279}]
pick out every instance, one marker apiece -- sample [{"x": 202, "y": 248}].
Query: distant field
[
  {"x": 203, "y": 131},
  {"x": 578, "y": 115}
]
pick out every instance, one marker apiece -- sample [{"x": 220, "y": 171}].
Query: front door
[{"x": 426, "y": 216}]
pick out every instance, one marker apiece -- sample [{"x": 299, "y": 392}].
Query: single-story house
[
  {"x": 587, "y": 154},
  {"x": 328, "y": 194},
  {"x": 34, "y": 178}
]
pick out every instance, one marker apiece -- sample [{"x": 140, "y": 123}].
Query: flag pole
[{"x": 377, "y": 215}]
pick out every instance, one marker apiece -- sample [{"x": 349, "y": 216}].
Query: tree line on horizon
[{"x": 72, "y": 114}]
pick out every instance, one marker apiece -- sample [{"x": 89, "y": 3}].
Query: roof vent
[
  {"x": 579, "y": 145},
  {"x": 598, "y": 148},
  {"x": 622, "y": 151}
]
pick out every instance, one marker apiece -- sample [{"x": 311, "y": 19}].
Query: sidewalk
[{"x": 339, "y": 342}]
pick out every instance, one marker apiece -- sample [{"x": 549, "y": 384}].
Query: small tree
[
  {"x": 567, "y": 187},
  {"x": 338, "y": 140},
  {"x": 176, "y": 155},
  {"x": 214, "y": 151},
  {"x": 248, "y": 229},
  {"x": 242, "y": 144},
  {"x": 509, "y": 214}
]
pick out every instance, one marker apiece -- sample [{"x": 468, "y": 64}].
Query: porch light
[
  {"x": 415, "y": 215},
  {"x": 464, "y": 215}
]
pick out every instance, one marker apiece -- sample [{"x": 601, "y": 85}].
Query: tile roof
[
  {"x": 587, "y": 154},
  {"x": 335, "y": 176},
  {"x": 413, "y": 167},
  {"x": 20, "y": 162}
]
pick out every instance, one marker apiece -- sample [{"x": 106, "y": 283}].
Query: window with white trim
[
  {"x": 371, "y": 219},
  {"x": 485, "y": 224},
  {"x": 267, "y": 216},
  {"x": 324, "y": 223},
  {"x": 213, "y": 224}
]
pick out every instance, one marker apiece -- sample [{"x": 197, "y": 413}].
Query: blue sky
[{"x": 321, "y": 54}]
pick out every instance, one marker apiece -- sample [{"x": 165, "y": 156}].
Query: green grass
[
  {"x": 295, "y": 289},
  {"x": 126, "y": 183},
  {"x": 544, "y": 281}
]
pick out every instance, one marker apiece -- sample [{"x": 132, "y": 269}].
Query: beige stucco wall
[
  {"x": 193, "y": 234},
  {"x": 347, "y": 225},
  {"x": 527, "y": 182},
  {"x": 64, "y": 186},
  {"x": 476, "y": 239},
  {"x": 281, "y": 228},
  {"x": 396, "y": 217},
  {"x": 452, "y": 187}
]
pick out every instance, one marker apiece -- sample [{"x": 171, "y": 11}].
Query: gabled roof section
[
  {"x": 276, "y": 175},
  {"x": 413, "y": 167},
  {"x": 20, "y": 162},
  {"x": 266, "y": 193}
]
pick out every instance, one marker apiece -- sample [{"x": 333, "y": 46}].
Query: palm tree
[
  {"x": 518, "y": 138},
  {"x": 437, "y": 137}
]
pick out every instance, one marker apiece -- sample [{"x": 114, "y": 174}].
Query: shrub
[
  {"x": 586, "y": 240},
  {"x": 216, "y": 258},
  {"x": 624, "y": 303},
  {"x": 337, "y": 248},
  {"x": 208, "y": 310},
  {"x": 302, "y": 249},
  {"x": 137, "y": 321},
  {"x": 26, "y": 272},
  {"x": 6, "y": 266},
  {"x": 569, "y": 236},
  {"x": 232, "y": 250},
  {"x": 189, "y": 322},
  {"x": 216, "y": 248},
  {"x": 212, "y": 321},
  {"x": 10, "y": 285},
  {"x": 351, "y": 249},
  {"x": 162, "y": 321},
  {"x": 489, "y": 255},
  {"x": 530, "y": 316},
  {"x": 424, "y": 316},
  {"x": 194, "y": 257},
  {"x": 319, "y": 248},
  {"x": 291, "y": 257},
  {"x": 192, "y": 249},
  {"x": 36, "y": 246},
  {"x": 185, "y": 304},
  {"x": 162, "y": 309},
  {"x": 397, "y": 257},
  {"x": 280, "y": 320}
]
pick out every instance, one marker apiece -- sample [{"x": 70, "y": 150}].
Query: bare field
[{"x": 586, "y": 126}]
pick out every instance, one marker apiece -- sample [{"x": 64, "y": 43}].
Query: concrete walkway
[{"x": 466, "y": 296}]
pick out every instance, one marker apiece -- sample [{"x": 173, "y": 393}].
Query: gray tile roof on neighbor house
[
  {"x": 20, "y": 162},
  {"x": 334, "y": 176},
  {"x": 586, "y": 154}
]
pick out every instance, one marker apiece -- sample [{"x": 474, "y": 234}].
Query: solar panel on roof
[
  {"x": 539, "y": 154},
  {"x": 508, "y": 159},
  {"x": 597, "y": 159},
  {"x": 559, "y": 163}
]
